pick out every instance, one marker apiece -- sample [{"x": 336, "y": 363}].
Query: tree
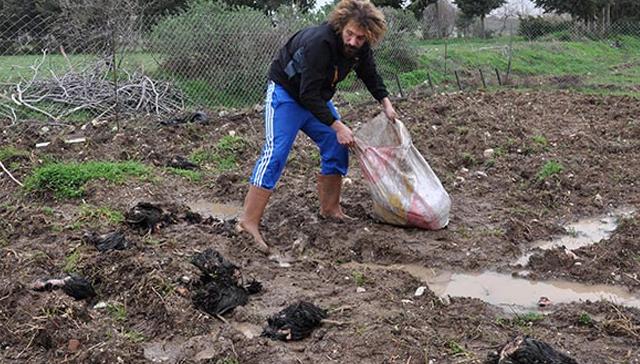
[
  {"x": 396, "y": 4},
  {"x": 271, "y": 5},
  {"x": 591, "y": 10},
  {"x": 438, "y": 20},
  {"x": 586, "y": 10},
  {"x": 478, "y": 8},
  {"x": 418, "y": 6}
]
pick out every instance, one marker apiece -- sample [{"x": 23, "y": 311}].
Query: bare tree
[{"x": 438, "y": 20}]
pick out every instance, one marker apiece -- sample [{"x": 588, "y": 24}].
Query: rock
[
  {"x": 597, "y": 200},
  {"x": 361, "y": 290},
  {"x": 73, "y": 345},
  {"x": 420, "y": 291},
  {"x": 488, "y": 153},
  {"x": 100, "y": 305}
]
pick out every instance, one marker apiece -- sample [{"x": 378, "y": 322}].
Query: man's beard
[{"x": 350, "y": 51}]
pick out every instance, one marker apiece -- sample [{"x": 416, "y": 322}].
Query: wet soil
[{"x": 502, "y": 205}]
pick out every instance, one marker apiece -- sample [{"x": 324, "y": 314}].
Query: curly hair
[{"x": 364, "y": 14}]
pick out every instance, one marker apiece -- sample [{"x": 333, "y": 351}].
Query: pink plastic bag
[{"x": 404, "y": 189}]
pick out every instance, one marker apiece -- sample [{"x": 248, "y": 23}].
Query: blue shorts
[{"x": 283, "y": 118}]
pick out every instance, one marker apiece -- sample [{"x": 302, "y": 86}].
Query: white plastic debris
[{"x": 420, "y": 291}]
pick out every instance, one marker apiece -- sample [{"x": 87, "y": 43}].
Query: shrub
[
  {"x": 397, "y": 53},
  {"x": 218, "y": 50},
  {"x": 534, "y": 27}
]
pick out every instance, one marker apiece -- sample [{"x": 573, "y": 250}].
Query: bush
[
  {"x": 397, "y": 53},
  {"x": 534, "y": 27},
  {"x": 218, "y": 51}
]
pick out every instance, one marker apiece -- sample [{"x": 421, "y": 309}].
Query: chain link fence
[{"x": 90, "y": 63}]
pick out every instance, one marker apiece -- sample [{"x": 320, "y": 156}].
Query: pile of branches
[{"x": 94, "y": 90}]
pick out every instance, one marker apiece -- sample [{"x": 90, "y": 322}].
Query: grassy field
[
  {"x": 20, "y": 67},
  {"x": 601, "y": 67},
  {"x": 596, "y": 63}
]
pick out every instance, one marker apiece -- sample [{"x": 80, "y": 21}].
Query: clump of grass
[
  {"x": 528, "y": 318},
  {"x": 585, "y": 320},
  {"x": 227, "y": 361},
  {"x": 71, "y": 262},
  {"x": 193, "y": 176},
  {"x": 9, "y": 152},
  {"x": 551, "y": 168},
  {"x": 359, "y": 278},
  {"x": 468, "y": 159},
  {"x": 223, "y": 156},
  {"x": 540, "y": 140},
  {"x": 67, "y": 180},
  {"x": 117, "y": 311},
  {"x": 134, "y": 336},
  {"x": 456, "y": 349},
  {"x": 103, "y": 215}
]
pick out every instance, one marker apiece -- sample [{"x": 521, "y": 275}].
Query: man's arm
[{"x": 368, "y": 73}]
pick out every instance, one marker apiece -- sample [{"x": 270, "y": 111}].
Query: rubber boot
[
  {"x": 254, "y": 205},
  {"x": 329, "y": 189}
]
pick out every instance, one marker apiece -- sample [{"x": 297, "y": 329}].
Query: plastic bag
[{"x": 404, "y": 189}]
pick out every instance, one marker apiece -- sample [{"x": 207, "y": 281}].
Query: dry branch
[{"x": 93, "y": 91}]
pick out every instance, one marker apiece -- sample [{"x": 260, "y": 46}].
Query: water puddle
[
  {"x": 517, "y": 294},
  {"x": 215, "y": 210},
  {"x": 582, "y": 233},
  {"x": 510, "y": 293}
]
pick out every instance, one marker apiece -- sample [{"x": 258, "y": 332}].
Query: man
[{"x": 302, "y": 81}]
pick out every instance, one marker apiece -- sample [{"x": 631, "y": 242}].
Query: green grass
[
  {"x": 223, "y": 156},
  {"x": 585, "y": 320},
  {"x": 358, "y": 278},
  {"x": 117, "y": 311},
  {"x": 133, "y": 336},
  {"x": 71, "y": 262},
  {"x": 527, "y": 318},
  {"x": 100, "y": 215},
  {"x": 593, "y": 62},
  {"x": 541, "y": 140},
  {"x": 551, "y": 168},
  {"x": 193, "y": 176},
  {"x": 10, "y": 152},
  {"x": 67, "y": 180},
  {"x": 18, "y": 67}
]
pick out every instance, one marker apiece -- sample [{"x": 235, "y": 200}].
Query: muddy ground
[{"x": 500, "y": 206}]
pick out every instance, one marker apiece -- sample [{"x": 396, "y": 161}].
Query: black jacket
[{"x": 311, "y": 64}]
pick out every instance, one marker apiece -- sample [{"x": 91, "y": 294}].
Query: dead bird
[
  {"x": 181, "y": 162},
  {"x": 219, "y": 289},
  {"x": 295, "y": 322},
  {"x": 110, "y": 241},
  {"x": 74, "y": 286},
  {"x": 145, "y": 215},
  {"x": 525, "y": 350}
]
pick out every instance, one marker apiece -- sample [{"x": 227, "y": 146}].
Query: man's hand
[
  {"x": 343, "y": 133},
  {"x": 389, "y": 111}
]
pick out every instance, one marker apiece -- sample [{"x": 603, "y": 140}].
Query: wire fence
[{"x": 91, "y": 63}]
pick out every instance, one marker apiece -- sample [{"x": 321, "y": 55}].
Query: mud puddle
[
  {"x": 215, "y": 210},
  {"x": 510, "y": 293},
  {"x": 516, "y": 293},
  {"x": 582, "y": 233}
]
